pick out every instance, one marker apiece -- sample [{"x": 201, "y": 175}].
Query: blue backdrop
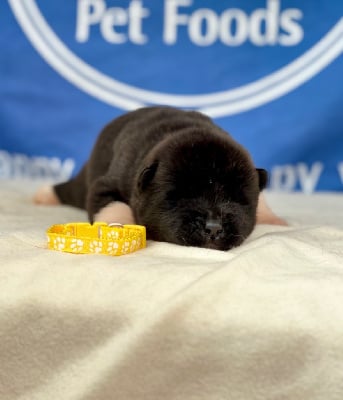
[{"x": 268, "y": 71}]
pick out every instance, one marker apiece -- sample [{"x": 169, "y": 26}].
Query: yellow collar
[{"x": 99, "y": 238}]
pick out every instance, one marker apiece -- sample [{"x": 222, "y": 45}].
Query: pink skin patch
[
  {"x": 115, "y": 212},
  {"x": 46, "y": 195},
  {"x": 265, "y": 215}
]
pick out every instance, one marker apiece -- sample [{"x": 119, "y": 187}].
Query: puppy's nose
[{"x": 213, "y": 229}]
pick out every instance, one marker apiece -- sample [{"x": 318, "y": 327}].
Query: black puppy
[{"x": 181, "y": 175}]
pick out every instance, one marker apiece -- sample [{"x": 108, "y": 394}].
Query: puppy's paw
[
  {"x": 270, "y": 219},
  {"x": 265, "y": 215},
  {"x": 115, "y": 212},
  {"x": 46, "y": 195}
]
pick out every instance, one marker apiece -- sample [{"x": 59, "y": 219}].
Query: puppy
[{"x": 175, "y": 172}]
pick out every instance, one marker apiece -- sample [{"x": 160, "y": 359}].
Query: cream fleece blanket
[{"x": 264, "y": 321}]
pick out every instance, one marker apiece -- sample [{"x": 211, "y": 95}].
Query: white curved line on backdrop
[{"x": 128, "y": 97}]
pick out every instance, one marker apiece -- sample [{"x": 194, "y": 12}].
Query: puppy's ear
[
  {"x": 262, "y": 178},
  {"x": 147, "y": 175}
]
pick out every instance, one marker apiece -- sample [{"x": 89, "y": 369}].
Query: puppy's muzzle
[{"x": 213, "y": 230}]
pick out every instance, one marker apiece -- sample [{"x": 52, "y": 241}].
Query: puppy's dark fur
[{"x": 185, "y": 178}]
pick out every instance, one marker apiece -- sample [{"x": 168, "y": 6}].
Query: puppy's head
[{"x": 198, "y": 192}]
